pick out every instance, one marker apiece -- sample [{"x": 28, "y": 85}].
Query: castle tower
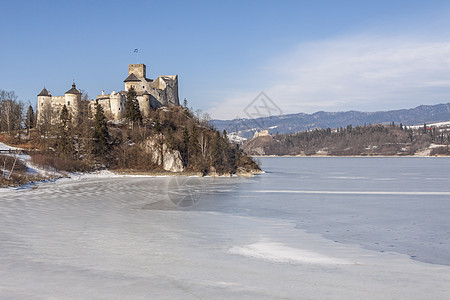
[
  {"x": 144, "y": 105},
  {"x": 73, "y": 101},
  {"x": 44, "y": 98},
  {"x": 117, "y": 103},
  {"x": 138, "y": 70}
]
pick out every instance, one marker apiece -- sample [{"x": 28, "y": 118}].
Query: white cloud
[{"x": 361, "y": 72}]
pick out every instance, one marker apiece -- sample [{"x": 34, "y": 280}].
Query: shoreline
[
  {"x": 361, "y": 156},
  {"x": 124, "y": 174}
]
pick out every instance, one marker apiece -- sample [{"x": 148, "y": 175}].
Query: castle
[
  {"x": 49, "y": 107},
  {"x": 151, "y": 94}
]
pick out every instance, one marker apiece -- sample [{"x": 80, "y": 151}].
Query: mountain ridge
[{"x": 292, "y": 123}]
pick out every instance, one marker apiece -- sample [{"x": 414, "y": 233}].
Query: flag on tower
[{"x": 136, "y": 50}]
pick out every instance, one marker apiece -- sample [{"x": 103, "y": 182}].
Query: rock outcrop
[{"x": 170, "y": 160}]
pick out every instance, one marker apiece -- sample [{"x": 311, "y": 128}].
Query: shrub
[{"x": 49, "y": 161}]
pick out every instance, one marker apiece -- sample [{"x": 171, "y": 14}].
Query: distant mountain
[{"x": 300, "y": 122}]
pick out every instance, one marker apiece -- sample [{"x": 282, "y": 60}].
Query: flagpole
[{"x": 137, "y": 55}]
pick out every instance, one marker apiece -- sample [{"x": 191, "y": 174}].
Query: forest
[{"x": 368, "y": 140}]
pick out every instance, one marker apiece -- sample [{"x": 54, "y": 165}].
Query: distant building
[
  {"x": 151, "y": 94},
  {"x": 261, "y": 133}
]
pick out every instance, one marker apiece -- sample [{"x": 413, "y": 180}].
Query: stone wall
[
  {"x": 137, "y": 69},
  {"x": 56, "y": 103},
  {"x": 113, "y": 105}
]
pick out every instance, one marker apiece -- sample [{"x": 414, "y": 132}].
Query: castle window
[
  {"x": 143, "y": 87},
  {"x": 68, "y": 103}
]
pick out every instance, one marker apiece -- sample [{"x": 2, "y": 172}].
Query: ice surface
[
  {"x": 117, "y": 237},
  {"x": 281, "y": 253}
]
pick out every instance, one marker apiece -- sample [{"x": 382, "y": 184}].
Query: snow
[
  {"x": 277, "y": 252},
  {"x": 433, "y": 146},
  {"x": 6, "y": 147},
  {"x": 438, "y": 124},
  {"x": 235, "y": 138},
  {"x": 31, "y": 168}
]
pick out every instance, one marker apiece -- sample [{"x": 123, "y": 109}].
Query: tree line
[
  {"x": 13, "y": 115},
  {"x": 370, "y": 139}
]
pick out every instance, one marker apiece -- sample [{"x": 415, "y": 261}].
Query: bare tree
[
  {"x": 45, "y": 119},
  {"x": 203, "y": 143},
  {"x": 11, "y": 111},
  {"x": 84, "y": 95}
]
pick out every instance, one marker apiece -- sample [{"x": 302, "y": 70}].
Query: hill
[
  {"x": 292, "y": 123},
  {"x": 171, "y": 140},
  {"x": 368, "y": 140}
]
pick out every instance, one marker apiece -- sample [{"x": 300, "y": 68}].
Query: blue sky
[{"x": 305, "y": 55}]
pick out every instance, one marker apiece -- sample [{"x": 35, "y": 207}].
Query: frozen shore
[{"x": 39, "y": 175}]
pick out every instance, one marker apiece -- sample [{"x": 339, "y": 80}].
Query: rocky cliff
[{"x": 161, "y": 155}]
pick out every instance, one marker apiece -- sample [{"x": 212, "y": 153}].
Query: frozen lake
[{"x": 310, "y": 228}]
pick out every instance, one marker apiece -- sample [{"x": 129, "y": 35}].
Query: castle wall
[
  {"x": 144, "y": 105},
  {"x": 105, "y": 104},
  {"x": 172, "y": 92},
  {"x": 165, "y": 90},
  {"x": 113, "y": 105},
  {"x": 158, "y": 83},
  {"x": 54, "y": 103},
  {"x": 58, "y": 100},
  {"x": 117, "y": 104},
  {"x": 139, "y": 86}
]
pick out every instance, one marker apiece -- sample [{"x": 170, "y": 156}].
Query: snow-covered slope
[{"x": 26, "y": 159}]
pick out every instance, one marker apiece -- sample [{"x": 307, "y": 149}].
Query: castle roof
[
  {"x": 73, "y": 90},
  {"x": 44, "y": 92},
  {"x": 132, "y": 77}
]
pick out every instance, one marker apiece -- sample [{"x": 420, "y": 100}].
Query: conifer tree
[
  {"x": 64, "y": 117},
  {"x": 101, "y": 134},
  {"x": 133, "y": 113},
  {"x": 30, "y": 119},
  {"x": 64, "y": 140},
  {"x": 224, "y": 135},
  {"x": 216, "y": 152}
]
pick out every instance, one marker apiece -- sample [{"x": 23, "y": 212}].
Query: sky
[{"x": 306, "y": 56}]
